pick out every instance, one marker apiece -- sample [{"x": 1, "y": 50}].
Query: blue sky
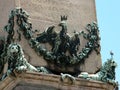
[{"x": 108, "y": 16}]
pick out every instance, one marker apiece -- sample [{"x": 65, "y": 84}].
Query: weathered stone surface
[
  {"x": 37, "y": 81},
  {"x": 5, "y": 8},
  {"x": 44, "y": 13}
]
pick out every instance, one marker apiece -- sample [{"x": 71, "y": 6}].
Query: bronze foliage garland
[{"x": 55, "y": 56}]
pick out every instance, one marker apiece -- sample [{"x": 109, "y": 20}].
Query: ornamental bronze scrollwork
[
  {"x": 61, "y": 42},
  {"x": 64, "y": 48}
]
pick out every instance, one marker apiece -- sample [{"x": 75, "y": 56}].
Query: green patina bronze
[
  {"x": 61, "y": 42},
  {"x": 106, "y": 73}
]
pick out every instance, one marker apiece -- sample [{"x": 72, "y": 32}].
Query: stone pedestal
[{"x": 37, "y": 81}]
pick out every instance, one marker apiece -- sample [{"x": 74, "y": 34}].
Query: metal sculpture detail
[
  {"x": 106, "y": 73},
  {"x": 61, "y": 43},
  {"x": 16, "y": 61}
]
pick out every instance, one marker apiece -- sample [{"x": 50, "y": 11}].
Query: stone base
[{"x": 38, "y": 81}]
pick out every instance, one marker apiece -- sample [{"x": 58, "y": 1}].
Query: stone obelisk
[{"x": 43, "y": 14}]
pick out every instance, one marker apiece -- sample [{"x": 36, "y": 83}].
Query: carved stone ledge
[{"x": 37, "y": 81}]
